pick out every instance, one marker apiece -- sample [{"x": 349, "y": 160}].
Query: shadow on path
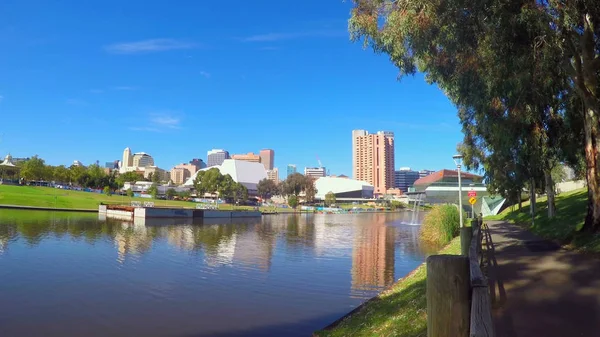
[{"x": 540, "y": 289}]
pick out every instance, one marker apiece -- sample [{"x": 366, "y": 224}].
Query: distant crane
[{"x": 319, "y": 160}]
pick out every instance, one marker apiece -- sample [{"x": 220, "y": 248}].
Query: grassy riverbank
[
  {"x": 570, "y": 215},
  {"x": 399, "y": 311},
  {"x": 57, "y": 198}
]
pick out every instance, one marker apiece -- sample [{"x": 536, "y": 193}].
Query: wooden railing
[
  {"x": 481, "y": 303},
  {"x": 458, "y": 282}
]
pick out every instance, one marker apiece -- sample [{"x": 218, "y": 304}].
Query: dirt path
[{"x": 540, "y": 289}]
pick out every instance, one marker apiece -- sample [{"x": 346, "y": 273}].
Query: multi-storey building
[
  {"x": 216, "y": 157},
  {"x": 181, "y": 172},
  {"x": 142, "y": 159},
  {"x": 267, "y": 158},
  {"x": 273, "y": 175},
  {"x": 291, "y": 169},
  {"x": 405, "y": 178},
  {"x": 199, "y": 163},
  {"x": 373, "y": 159},
  {"x": 315, "y": 172}
]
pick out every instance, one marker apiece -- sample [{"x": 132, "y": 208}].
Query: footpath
[{"x": 540, "y": 289}]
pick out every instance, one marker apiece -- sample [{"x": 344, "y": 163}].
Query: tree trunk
[
  {"x": 532, "y": 199},
  {"x": 550, "y": 194},
  {"x": 592, "y": 220}
]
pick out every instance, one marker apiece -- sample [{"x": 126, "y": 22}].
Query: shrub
[{"x": 441, "y": 224}]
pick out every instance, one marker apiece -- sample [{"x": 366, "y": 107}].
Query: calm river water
[{"x": 71, "y": 274}]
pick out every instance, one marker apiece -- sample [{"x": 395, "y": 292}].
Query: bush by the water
[{"x": 440, "y": 225}]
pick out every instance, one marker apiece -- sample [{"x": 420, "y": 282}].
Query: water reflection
[{"x": 296, "y": 268}]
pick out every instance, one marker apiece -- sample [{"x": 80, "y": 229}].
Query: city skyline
[{"x": 148, "y": 86}]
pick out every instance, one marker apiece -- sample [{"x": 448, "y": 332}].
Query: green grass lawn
[
  {"x": 570, "y": 215},
  {"x": 400, "y": 311},
  {"x": 52, "y": 197}
]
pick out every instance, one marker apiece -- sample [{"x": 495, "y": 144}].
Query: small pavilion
[{"x": 8, "y": 170}]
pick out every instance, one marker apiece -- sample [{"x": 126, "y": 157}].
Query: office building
[
  {"x": 273, "y": 175},
  {"x": 405, "y": 178},
  {"x": 127, "y": 158},
  {"x": 314, "y": 172},
  {"x": 181, "y": 172},
  {"x": 373, "y": 159},
  {"x": 216, "y": 157},
  {"x": 249, "y": 157},
  {"x": 151, "y": 171},
  {"x": 199, "y": 163},
  {"x": 267, "y": 158},
  {"x": 179, "y": 175},
  {"x": 291, "y": 169},
  {"x": 142, "y": 159}
]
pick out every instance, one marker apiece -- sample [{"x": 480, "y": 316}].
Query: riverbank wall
[
  {"x": 38, "y": 208},
  {"x": 133, "y": 212}
]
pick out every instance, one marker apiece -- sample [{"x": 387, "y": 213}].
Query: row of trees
[
  {"x": 290, "y": 188},
  {"x": 524, "y": 75},
  {"x": 212, "y": 181},
  {"x": 93, "y": 176}
]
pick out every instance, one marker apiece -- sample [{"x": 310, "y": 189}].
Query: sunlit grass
[
  {"x": 571, "y": 210},
  {"x": 69, "y": 199}
]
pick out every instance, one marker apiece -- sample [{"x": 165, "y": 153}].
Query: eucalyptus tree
[{"x": 502, "y": 63}]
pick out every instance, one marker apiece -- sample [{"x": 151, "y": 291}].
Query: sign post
[{"x": 472, "y": 200}]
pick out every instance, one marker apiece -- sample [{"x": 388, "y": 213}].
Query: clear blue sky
[{"x": 83, "y": 80}]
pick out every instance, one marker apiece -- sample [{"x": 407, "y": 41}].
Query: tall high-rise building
[
  {"x": 373, "y": 159},
  {"x": 127, "y": 158},
  {"x": 216, "y": 157},
  {"x": 405, "y": 178},
  {"x": 267, "y": 158},
  {"x": 291, "y": 169},
  {"x": 249, "y": 157}
]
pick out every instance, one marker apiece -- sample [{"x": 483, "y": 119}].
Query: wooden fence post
[
  {"x": 466, "y": 234},
  {"x": 448, "y": 292}
]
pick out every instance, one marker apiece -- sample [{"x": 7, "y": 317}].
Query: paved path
[{"x": 540, "y": 289}]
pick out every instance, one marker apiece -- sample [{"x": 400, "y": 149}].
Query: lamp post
[
  {"x": 458, "y": 161},
  {"x": 465, "y": 233}
]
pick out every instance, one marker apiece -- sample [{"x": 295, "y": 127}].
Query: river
[{"x": 73, "y": 274}]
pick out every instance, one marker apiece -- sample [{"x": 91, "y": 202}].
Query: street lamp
[{"x": 458, "y": 161}]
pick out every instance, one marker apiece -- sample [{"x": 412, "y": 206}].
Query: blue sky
[{"x": 85, "y": 79}]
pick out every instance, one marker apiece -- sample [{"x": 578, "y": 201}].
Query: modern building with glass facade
[
  {"x": 291, "y": 169},
  {"x": 442, "y": 188},
  {"x": 405, "y": 178}
]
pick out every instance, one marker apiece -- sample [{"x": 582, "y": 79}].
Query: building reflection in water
[
  {"x": 373, "y": 255},
  {"x": 133, "y": 240}
]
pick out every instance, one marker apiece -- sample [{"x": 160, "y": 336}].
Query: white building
[
  {"x": 343, "y": 188},
  {"x": 314, "y": 172},
  {"x": 243, "y": 172}
]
